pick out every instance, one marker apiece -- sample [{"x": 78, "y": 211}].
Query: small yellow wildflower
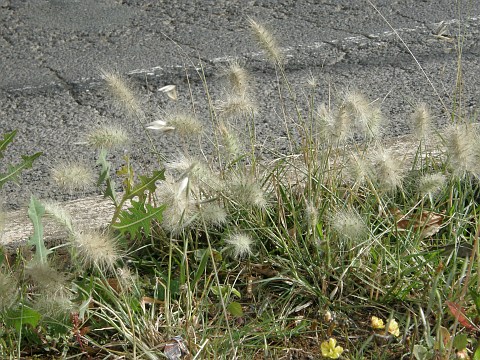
[
  {"x": 330, "y": 349},
  {"x": 377, "y": 323},
  {"x": 393, "y": 328}
]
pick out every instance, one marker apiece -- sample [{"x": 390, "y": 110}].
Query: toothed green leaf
[
  {"x": 147, "y": 183},
  {"x": 7, "y": 139},
  {"x": 23, "y": 316},
  {"x": 13, "y": 172},
  {"x": 139, "y": 216}
]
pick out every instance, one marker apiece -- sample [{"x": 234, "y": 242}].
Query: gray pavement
[{"x": 51, "y": 54}]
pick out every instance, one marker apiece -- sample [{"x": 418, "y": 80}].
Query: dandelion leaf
[
  {"x": 7, "y": 139},
  {"x": 13, "y": 171},
  {"x": 35, "y": 211},
  {"x": 147, "y": 183},
  {"x": 105, "y": 177},
  {"x": 105, "y": 171},
  {"x": 137, "y": 218},
  {"x": 23, "y": 316}
]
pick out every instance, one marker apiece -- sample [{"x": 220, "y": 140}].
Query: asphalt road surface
[{"x": 52, "y": 52}]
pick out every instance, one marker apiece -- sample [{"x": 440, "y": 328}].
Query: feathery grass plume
[
  {"x": 245, "y": 191},
  {"x": 388, "y": 170},
  {"x": 357, "y": 169},
  {"x": 58, "y": 213},
  {"x": 462, "y": 147},
  {"x": 127, "y": 280},
  {"x": 336, "y": 127},
  {"x": 311, "y": 214},
  {"x": 422, "y": 121},
  {"x": 56, "y": 306},
  {"x": 72, "y": 176},
  {"x": 238, "y": 78},
  {"x": 107, "y": 137},
  {"x": 266, "y": 41},
  {"x": 236, "y": 106},
  {"x": 185, "y": 124},
  {"x": 180, "y": 211},
  {"x": 431, "y": 184},
  {"x": 46, "y": 278},
  {"x": 9, "y": 290},
  {"x": 312, "y": 81},
  {"x": 95, "y": 248},
  {"x": 229, "y": 141},
  {"x": 367, "y": 116},
  {"x": 122, "y": 93},
  {"x": 348, "y": 224},
  {"x": 240, "y": 245},
  {"x": 197, "y": 170},
  {"x": 213, "y": 214}
]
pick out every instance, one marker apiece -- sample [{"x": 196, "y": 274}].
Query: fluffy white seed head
[
  {"x": 213, "y": 214},
  {"x": 367, "y": 116},
  {"x": 55, "y": 305},
  {"x": 230, "y": 141},
  {"x": 8, "y": 290},
  {"x": 59, "y": 214},
  {"x": 358, "y": 169},
  {"x": 422, "y": 121},
  {"x": 73, "y": 176},
  {"x": 266, "y": 41},
  {"x": 348, "y": 225},
  {"x": 182, "y": 165},
  {"x": 246, "y": 192},
  {"x": 312, "y": 81},
  {"x": 46, "y": 278},
  {"x": 334, "y": 126},
  {"x": 238, "y": 78},
  {"x": 236, "y": 106},
  {"x": 388, "y": 170},
  {"x": 122, "y": 93},
  {"x": 431, "y": 184},
  {"x": 127, "y": 280},
  {"x": 107, "y": 137},
  {"x": 240, "y": 245},
  {"x": 462, "y": 148},
  {"x": 177, "y": 196},
  {"x": 97, "y": 249},
  {"x": 186, "y": 125},
  {"x": 311, "y": 214}
]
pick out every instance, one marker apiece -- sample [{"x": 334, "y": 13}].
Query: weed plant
[{"x": 344, "y": 247}]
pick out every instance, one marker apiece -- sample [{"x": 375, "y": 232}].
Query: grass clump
[{"x": 345, "y": 247}]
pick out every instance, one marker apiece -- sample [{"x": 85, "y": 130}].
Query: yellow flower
[
  {"x": 393, "y": 328},
  {"x": 330, "y": 349},
  {"x": 377, "y": 323}
]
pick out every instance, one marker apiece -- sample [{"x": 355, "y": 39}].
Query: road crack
[{"x": 68, "y": 85}]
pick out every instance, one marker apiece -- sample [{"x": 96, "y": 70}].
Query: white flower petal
[
  {"x": 170, "y": 90},
  {"x": 160, "y": 125}
]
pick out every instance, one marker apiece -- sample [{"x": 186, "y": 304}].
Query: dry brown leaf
[{"x": 428, "y": 222}]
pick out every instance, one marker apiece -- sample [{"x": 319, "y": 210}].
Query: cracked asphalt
[{"x": 52, "y": 52}]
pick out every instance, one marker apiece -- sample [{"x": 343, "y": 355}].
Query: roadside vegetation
[{"x": 343, "y": 247}]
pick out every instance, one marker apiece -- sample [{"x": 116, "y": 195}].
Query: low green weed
[{"x": 343, "y": 247}]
